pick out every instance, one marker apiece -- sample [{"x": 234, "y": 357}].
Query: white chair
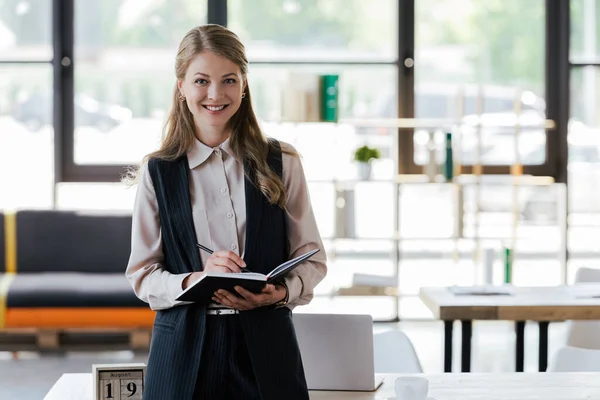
[
  {"x": 584, "y": 334},
  {"x": 394, "y": 353},
  {"x": 573, "y": 359},
  {"x": 585, "y": 274}
]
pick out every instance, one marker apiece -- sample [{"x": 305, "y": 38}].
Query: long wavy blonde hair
[{"x": 247, "y": 139}]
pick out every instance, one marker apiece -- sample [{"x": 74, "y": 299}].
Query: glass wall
[
  {"x": 584, "y": 136},
  {"x": 481, "y": 63}
]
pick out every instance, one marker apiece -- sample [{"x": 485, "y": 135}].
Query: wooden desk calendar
[{"x": 118, "y": 381}]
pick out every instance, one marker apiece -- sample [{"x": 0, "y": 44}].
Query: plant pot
[{"x": 364, "y": 171}]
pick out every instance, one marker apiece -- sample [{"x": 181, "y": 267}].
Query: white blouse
[{"x": 219, "y": 212}]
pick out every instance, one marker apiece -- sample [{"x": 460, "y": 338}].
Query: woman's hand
[
  {"x": 220, "y": 261},
  {"x": 246, "y": 300}
]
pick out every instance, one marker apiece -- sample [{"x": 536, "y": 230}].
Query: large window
[
  {"x": 482, "y": 63},
  {"x": 316, "y": 30},
  {"x": 124, "y": 74},
  {"x": 26, "y": 130}
]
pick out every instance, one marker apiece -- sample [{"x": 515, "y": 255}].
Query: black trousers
[{"x": 226, "y": 371}]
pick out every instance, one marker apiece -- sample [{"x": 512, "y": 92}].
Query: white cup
[{"x": 411, "y": 388}]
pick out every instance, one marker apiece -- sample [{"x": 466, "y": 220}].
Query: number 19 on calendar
[{"x": 119, "y": 381}]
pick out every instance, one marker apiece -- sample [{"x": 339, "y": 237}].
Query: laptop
[{"x": 337, "y": 351}]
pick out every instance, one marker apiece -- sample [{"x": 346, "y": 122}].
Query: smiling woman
[{"x": 218, "y": 181}]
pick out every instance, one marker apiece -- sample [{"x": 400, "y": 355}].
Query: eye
[
  {"x": 200, "y": 81},
  {"x": 229, "y": 81}
]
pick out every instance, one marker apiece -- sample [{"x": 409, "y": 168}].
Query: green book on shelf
[
  {"x": 449, "y": 163},
  {"x": 329, "y": 98}
]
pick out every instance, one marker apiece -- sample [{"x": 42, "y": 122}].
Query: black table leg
[
  {"x": 543, "y": 349},
  {"x": 520, "y": 347},
  {"x": 448, "y": 325},
  {"x": 466, "y": 331}
]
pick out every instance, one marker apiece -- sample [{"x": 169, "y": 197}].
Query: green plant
[{"x": 366, "y": 154}]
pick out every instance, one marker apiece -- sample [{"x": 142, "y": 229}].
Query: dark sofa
[{"x": 70, "y": 272}]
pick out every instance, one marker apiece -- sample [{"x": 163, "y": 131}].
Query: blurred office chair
[
  {"x": 584, "y": 334},
  {"x": 394, "y": 353},
  {"x": 585, "y": 274},
  {"x": 573, "y": 359}
]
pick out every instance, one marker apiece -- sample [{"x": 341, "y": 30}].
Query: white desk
[{"x": 458, "y": 386}]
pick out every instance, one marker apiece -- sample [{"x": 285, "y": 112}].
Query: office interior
[{"x": 85, "y": 87}]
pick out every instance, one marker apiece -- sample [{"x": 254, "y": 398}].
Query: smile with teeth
[{"x": 215, "y": 108}]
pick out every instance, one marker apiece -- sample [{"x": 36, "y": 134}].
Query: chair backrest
[
  {"x": 573, "y": 359},
  {"x": 72, "y": 241},
  {"x": 395, "y": 353},
  {"x": 584, "y": 334},
  {"x": 585, "y": 274}
]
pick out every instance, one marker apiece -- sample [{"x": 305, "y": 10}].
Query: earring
[
  {"x": 181, "y": 97},
  {"x": 243, "y": 95}
]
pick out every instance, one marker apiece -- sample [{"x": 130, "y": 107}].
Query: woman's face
[{"x": 213, "y": 88}]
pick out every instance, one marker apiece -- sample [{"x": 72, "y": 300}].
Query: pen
[
  {"x": 209, "y": 251},
  {"x": 206, "y": 249}
]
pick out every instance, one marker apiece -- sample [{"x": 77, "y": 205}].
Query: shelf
[
  {"x": 462, "y": 180},
  {"x": 421, "y": 239},
  {"x": 408, "y": 123},
  {"x": 359, "y": 291}
]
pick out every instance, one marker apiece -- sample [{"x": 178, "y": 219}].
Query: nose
[{"x": 214, "y": 92}]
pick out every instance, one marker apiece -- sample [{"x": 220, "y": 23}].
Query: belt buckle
[{"x": 222, "y": 311}]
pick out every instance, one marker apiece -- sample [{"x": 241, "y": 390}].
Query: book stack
[
  {"x": 363, "y": 290},
  {"x": 370, "y": 285},
  {"x": 310, "y": 97}
]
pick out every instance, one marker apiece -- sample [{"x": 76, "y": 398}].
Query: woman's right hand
[{"x": 224, "y": 261}]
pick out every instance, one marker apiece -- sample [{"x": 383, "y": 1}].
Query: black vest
[{"x": 178, "y": 334}]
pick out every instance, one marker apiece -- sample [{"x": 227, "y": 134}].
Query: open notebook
[{"x": 202, "y": 290}]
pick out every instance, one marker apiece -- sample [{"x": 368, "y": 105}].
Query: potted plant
[{"x": 363, "y": 155}]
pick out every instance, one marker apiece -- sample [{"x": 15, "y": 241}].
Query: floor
[{"x": 31, "y": 376}]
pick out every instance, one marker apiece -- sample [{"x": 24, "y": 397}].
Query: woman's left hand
[{"x": 246, "y": 300}]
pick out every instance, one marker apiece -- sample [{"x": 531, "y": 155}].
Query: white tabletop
[{"x": 467, "y": 386}]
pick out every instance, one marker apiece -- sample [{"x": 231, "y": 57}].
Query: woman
[{"x": 216, "y": 181}]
